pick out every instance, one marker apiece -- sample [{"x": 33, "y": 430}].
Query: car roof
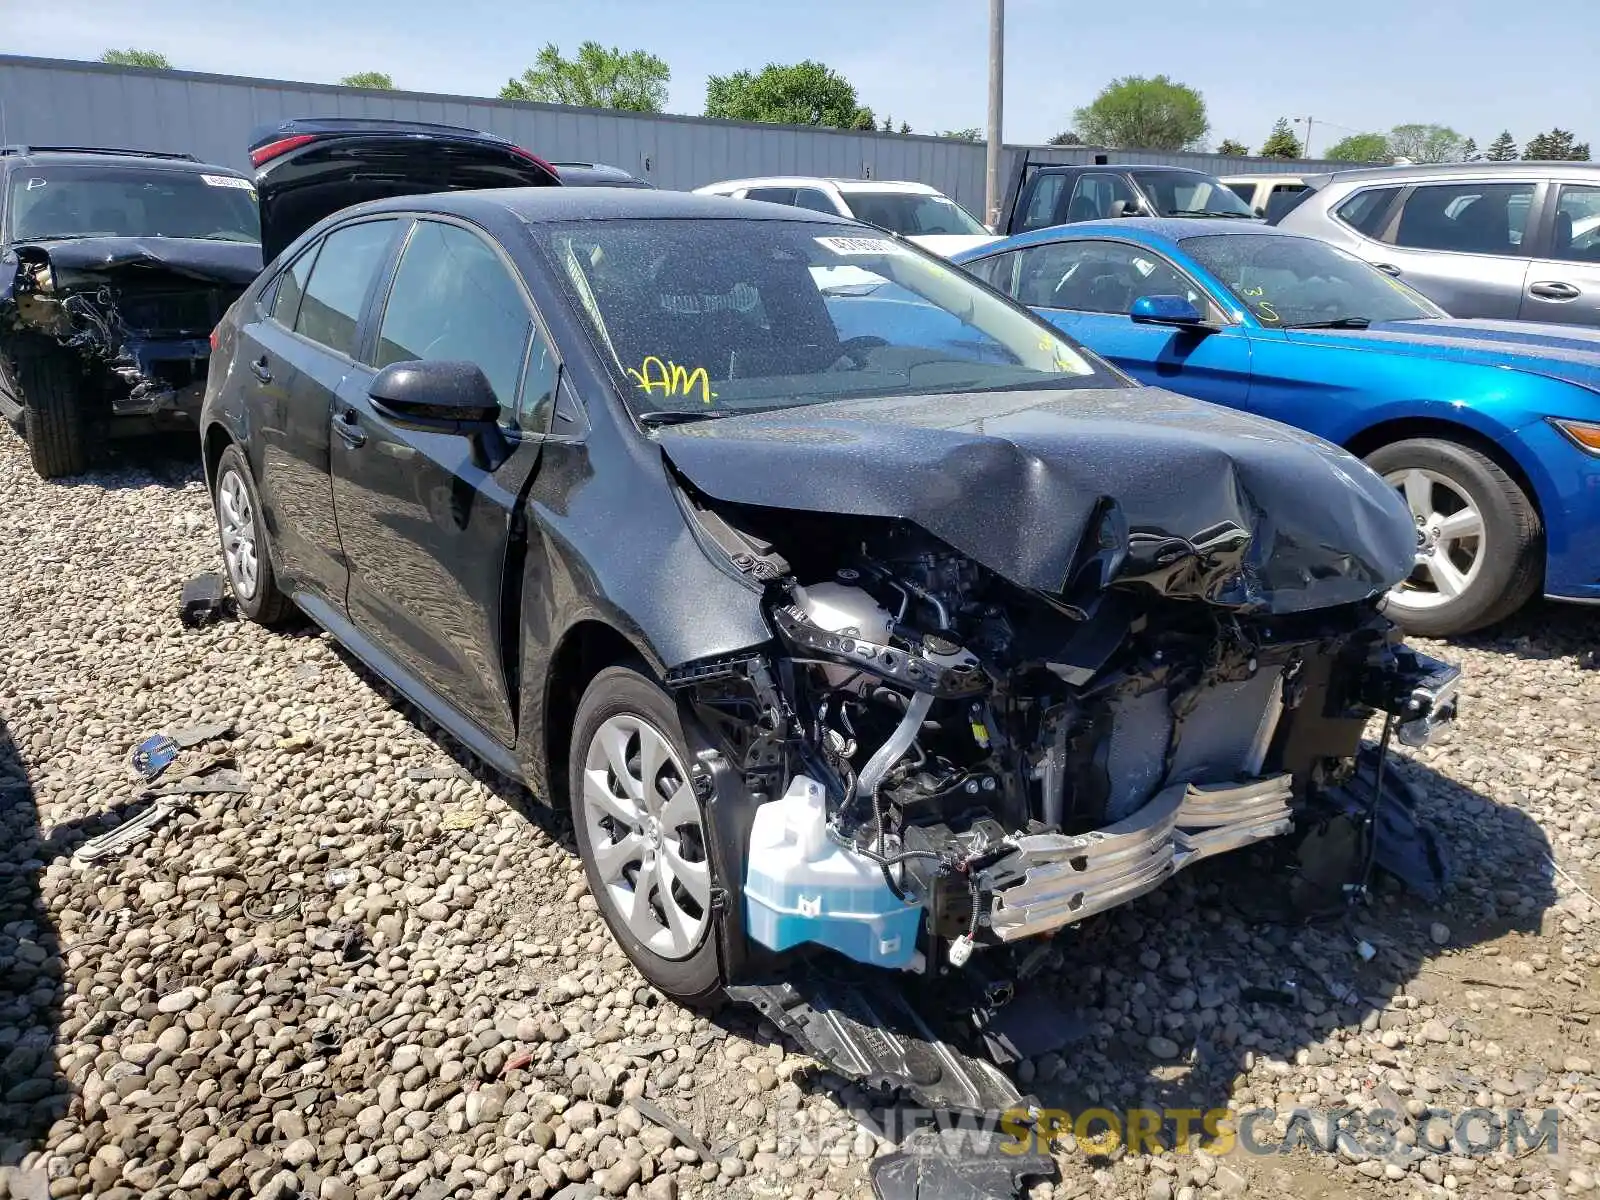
[
  {"x": 536, "y": 205},
  {"x": 1145, "y": 229},
  {"x": 843, "y": 185},
  {"x": 76, "y": 155},
  {"x": 1126, "y": 166},
  {"x": 1407, "y": 171}
]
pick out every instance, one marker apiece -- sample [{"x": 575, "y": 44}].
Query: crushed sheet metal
[{"x": 1220, "y": 505}]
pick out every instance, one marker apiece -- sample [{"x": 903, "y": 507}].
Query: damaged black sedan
[
  {"x": 115, "y": 266},
  {"x": 852, "y": 609}
]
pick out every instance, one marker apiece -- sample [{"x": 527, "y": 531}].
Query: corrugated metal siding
[{"x": 48, "y": 101}]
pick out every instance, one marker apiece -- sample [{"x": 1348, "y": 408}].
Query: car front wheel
[
  {"x": 1480, "y": 542},
  {"x": 243, "y": 534},
  {"x": 640, "y": 831}
]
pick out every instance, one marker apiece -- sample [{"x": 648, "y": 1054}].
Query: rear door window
[
  {"x": 772, "y": 195},
  {"x": 1043, "y": 201},
  {"x": 291, "y": 286},
  {"x": 1367, "y": 211},
  {"x": 815, "y": 200},
  {"x": 454, "y": 298},
  {"x": 1467, "y": 217},
  {"x": 330, "y": 311}
]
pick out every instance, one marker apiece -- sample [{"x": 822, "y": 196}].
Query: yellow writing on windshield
[
  {"x": 669, "y": 379},
  {"x": 1263, "y": 308}
]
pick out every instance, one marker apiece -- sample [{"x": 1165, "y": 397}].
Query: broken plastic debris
[
  {"x": 153, "y": 755},
  {"x": 340, "y": 877},
  {"x": 1365, "y": 949},
  {"x": 127, "y": 835},
  {"x": 204, "y": 601},
  {"x": 461, "y": 818},
  {"x": 651, "y": 1111}
]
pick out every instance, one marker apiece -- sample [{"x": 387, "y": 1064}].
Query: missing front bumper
[{"x": 1050, "y": 880}]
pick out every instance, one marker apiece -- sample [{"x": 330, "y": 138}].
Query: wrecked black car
[
  {"x": 853, "y": 610},
  {"x": 115, "y": 265}
]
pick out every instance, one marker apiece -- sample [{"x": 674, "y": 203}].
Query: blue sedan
[{"x": 1490, "y": 430}]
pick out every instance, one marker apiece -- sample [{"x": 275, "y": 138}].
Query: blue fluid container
[{"x": 802, "y": 886}]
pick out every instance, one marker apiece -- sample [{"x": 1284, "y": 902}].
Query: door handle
[
  {"x": 1553, "y": 291},
  {"x": 261, "y": 370},
  {"x": 348, "y": 426},
  {"x": 1387, "y": 268}
]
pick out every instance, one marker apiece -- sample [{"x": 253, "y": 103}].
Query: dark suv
[{"x": 115, "y": 265}]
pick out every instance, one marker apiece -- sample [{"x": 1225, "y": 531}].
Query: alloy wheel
[
  {"x": 1450, "y": 539},
  {"x": 646, "y": 837},
  {"x": 236, "y": 522}
]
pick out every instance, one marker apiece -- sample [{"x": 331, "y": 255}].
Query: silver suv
[{"x": 1512, "y": 240}]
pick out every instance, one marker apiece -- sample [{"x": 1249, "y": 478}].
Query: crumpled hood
[
  {"x": 212, "y": 261},
  {"x": 1014, "y": 480},
  {"x": 1566, "y": 352}
]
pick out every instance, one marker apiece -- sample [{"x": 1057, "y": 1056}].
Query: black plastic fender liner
[
  {"x": 945, "y": 1165},
  {"x": 867, "y": 1031}
]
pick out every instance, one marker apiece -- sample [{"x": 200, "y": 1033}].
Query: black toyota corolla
[{"x": 852, "y": 609}]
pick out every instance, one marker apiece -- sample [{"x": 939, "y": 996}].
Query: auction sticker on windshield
[
  {"x": 232, "y": 181},
  {"x": 860, "y": 245}
]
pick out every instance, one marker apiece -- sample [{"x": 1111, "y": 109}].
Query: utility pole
[
  {"x": 1305, "y": 148},
  {"x": 997, "y": 39}
]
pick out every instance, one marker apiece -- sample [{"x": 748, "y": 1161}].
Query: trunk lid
[{"x": 309, "y": 168}]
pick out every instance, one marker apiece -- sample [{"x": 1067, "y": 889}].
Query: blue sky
[{"x": 1360, "y": 64}]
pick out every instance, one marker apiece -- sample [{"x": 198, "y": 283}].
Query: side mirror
[
  {"x": 443, "y": 396},
  {"x": 1166, "y": 310}
]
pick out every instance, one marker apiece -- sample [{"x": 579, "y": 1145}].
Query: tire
[
  {"x": 1506, "y": 557},
  {"x": 623, "y": 708},
  {"x": 246, "y": 552},
  {"x": 53, "y": 420}
]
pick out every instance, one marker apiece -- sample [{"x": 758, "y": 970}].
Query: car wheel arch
[
  {"x": 587, "y": 647},
  {"x": 1387, "y": 432},
  {"x": 216, "y": 439}
]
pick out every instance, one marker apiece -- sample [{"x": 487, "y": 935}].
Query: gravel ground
[{"x": 351, "y": 982}]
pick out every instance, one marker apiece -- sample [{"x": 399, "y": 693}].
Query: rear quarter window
[{"x": 1367, "y": 211}]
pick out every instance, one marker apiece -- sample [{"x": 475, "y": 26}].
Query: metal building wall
[
  {"x": 50, "y": 101},
  {"x": 47, "y": 101}
]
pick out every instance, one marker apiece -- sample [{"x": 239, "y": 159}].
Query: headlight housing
[{"x": 1583, "y": 434}]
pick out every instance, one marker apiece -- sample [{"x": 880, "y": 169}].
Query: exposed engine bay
[
  {"x": 949, "y": 763},
  {"x": 131, "y": 316}
]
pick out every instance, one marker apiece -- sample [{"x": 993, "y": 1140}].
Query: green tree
[
  {"x": 1148, "y": 114},
  {"x": 1232, "y": 148},
  {"x": 1502, "y": 149},
  {"x": 1360, "y": 147},
  {"x": 597, "y": 77},
  {"x": 1281, "y": 143},
  {"x": 152, "y": 59},
  {"x": 972, "y": 133},
  {"x": 1557, "y": 145},
  {"x": 1067, "y": 137},
  {"x": 804, "y": 93},
  {"x": 1425, "y": 143},
  {"x": 1469, "y": 151},
  {"x": 376, "y": 80}
]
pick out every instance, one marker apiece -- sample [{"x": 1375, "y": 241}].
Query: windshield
[
  {"x": 1189, "y": 194},
  {"x": 709, "y": 317},
  {"x": 911, "y": 214},
  {"x": 121, "y": 201},
  {"x": 1287, "y": 282}
]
